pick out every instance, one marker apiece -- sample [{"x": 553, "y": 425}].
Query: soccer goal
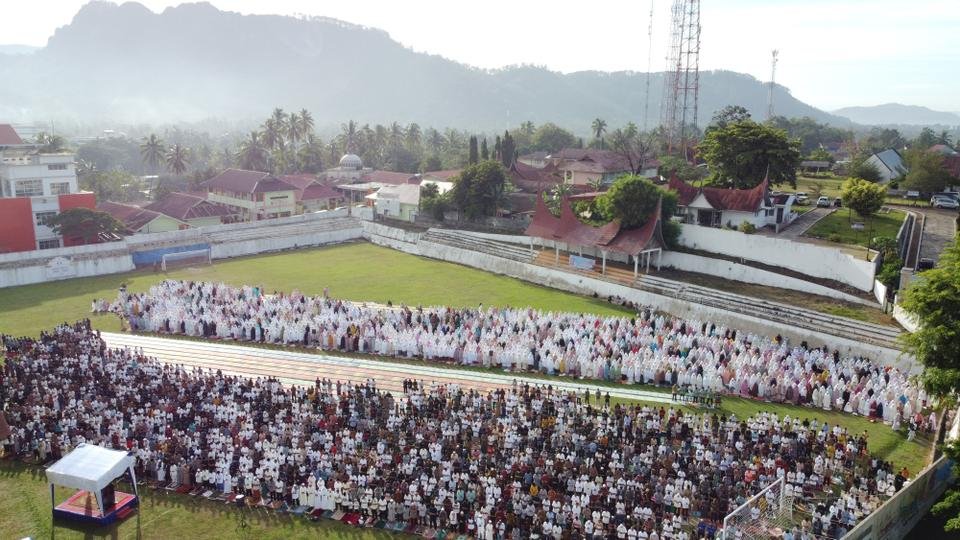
[
  {"x": 766, "y": 515},
  {"x": 181, "y": 259}
]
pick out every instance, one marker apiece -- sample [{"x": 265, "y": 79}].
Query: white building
[
  {"x": 34, "y": 187},
  {"x": 718, "y": 207},
  {"x": 889, "y": 163}
]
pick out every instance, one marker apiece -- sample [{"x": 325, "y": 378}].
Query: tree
[
  {"x": 633, "y": 145},
  {"x": 306, "y": 122},
  {"x": 861, "y": 168},
  {"x": 944, "y": 138},
  {"x": 670, "y": 165},
  {"x": 821, "y": 154},
  {"x": 560, "y": 191},
  {"x": 599, "y": 127},
  {"x": 252, "y": 154},
  {"x": 927, "y": 172},
  {"x": 118, "y": 186},
  {"x": 474, "y": 153},
  {"x": 152, "y": 151},
  {"x": 925, "y": 139},
  {"x": 934, "y": 300},
  {"x": 51, "y": 144},
  {"x": 880, "y": 139},
  {"x": 480, "y": 189},
  {"x": 741, "y": 154},
  {"x": 310, "y": 155},
  {"x": 632, "y": 199},
  {"x": 484, "y": 151},
  {"x": 551, "y": 137},
  {"x": 508, "y": 149},
  {"x": 89, "y": 225},
  {"x": 177, "y": 159},
  {"x": 863, "y": 197},
  {"x": 729, "y": 115}
]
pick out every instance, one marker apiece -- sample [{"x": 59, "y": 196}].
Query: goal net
[
  {"x": 181, "y": 259},
  {"x": 766, "y": 515}
]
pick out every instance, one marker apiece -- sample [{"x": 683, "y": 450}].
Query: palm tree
[
  {"x": 599, "y": 127},
  {"x": 349, "y": 134},
  {"x": 272, "y": 133},
  {"x": 596, "y": 184},
  {"x": 944, "y": 138},
  {"x": 177, "y": 159},
  {"x": 152, "y": 151},
  {"x": 527, "y": 128},
  {"x": 560, "y": 192},
  {"x": 306, "y": 123},
  {"x": 293, "y": 130},
  {"x": 252, "y": 154},
  {"x": 413, "y": 136}
]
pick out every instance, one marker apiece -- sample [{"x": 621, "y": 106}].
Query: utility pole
[{"x": 681, "y": 86}]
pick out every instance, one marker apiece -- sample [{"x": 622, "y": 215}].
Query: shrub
[
  {"x": 747, "y": 228},
  {"x": 835, "y": 238}
]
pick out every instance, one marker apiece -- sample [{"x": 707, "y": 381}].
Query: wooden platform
[
  {"x": 82, "y": 507},
  {"x": 617, "y": 272}
]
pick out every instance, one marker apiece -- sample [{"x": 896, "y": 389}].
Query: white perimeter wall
[
  {"x": 809, "y": 259},
  {"x": 229, "y": 240},
  {"x": 748, "y": 274}
]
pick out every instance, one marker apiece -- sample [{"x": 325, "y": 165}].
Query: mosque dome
[{"x": 351, "y": 161}]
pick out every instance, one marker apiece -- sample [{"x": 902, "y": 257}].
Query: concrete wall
[
  {"x": 748, "y": 274},
  {"x": 809, "y": 259},
  {"x": 227, "y": 240}
]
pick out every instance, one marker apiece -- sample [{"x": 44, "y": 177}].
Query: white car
[
  {"x": 824, "y": 202},
  {"x": 802, "y": 198},
  {"x": 944, "y": 202}
]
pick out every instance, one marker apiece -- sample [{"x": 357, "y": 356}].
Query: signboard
[
  {"x": 857, "y": 226},
  {"x": 59, "y": 268},
  {"x": 581, "y": 263}
]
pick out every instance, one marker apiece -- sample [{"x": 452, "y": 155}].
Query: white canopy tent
[{"x": 91, "y": 468}]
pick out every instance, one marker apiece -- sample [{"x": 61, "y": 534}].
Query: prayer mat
[
  {"x": 231, "y": 497},
  {"x": 327, "y": 514},
  {"x": 299, "y": 511},
  {"x": 338, "y": 515},
  {"x": 207, "y": 494},
  {"x": 398, "y": 525},
  {"x": 381, "y": 524},
  {"x": 183, "y": 490},
  {"x": 351, "y": 518},
  {"x": 172, "y": 487}
]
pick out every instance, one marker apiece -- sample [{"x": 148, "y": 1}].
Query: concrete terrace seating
[
  {"x": 460, "y": 239},
  {"x": 277, "y": 231},
  {"x": 884, "y": 336}
]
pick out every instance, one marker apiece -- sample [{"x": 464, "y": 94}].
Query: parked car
[
  {"x": 949, "y": 194},
  {"x": 938, "y": 201},
  {"x": 802, "y": 198},
  {"x": 823, "y": 202}
]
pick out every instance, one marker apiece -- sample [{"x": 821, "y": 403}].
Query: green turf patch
[{"x": 837, "y": 227}]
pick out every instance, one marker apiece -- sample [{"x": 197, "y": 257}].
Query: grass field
[
  {"x": 359, "y": 271},
  {"x": 836, "y": 227},
  {"x": 355, "y": 271}
]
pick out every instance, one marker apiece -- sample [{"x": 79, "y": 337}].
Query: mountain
[
  {"x": 14, "y": 48},
  {"x": 897, "y": 114},
  {"x": 127, "y": 64}
]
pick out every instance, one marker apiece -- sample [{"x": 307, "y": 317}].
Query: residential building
[
  {"x": 253, "y": 195},
  {"x": 139, "y": 220},
  {"x": 536, "y": 159},
  {"x": 942, "y": 149},
  {"x": 397, "y": 202},
  {"x": 192, "y": 209},
  {"x": 889, "y": 163},
  {"x": 34, "y": 187},
  {"x": 312, "y": 194},
  {"x": 584, "y": 166},
  {"x": 719, "y": 207}
]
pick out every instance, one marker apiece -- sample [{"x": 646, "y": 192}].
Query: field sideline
[{"x": 357, "y": 271}]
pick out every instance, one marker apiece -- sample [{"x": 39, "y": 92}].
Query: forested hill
[{"x": 127, "y": 64}]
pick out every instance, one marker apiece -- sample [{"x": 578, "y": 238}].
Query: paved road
[
  {"x": 303, "y": 368},
  {"x": 938, "y": 231},
  {"x": 804, "y": 222}
]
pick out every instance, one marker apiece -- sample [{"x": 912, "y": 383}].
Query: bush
[
  {"x": 747, "y": 228},
  {"x": 835, "y": 238},
  {"x": 671, "y": 233},
  {"x": 889, "y": 273}
]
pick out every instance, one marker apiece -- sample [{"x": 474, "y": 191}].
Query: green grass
[
  {"x": 358, "y": 271},
  {"x": 25, "y": 511},
  {"x": 836, "y": 227},
  {"x": 831, "y": 186}
]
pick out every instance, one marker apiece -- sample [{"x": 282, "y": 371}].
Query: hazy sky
[{"x": 833, "y": 53}]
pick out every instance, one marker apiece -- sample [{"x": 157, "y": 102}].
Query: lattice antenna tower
[
  {"x": 682, "y": 81},
  {"x": 646, "y": 104},
  {"x": 773, "y": 82}
]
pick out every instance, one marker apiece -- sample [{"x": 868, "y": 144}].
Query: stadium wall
[
  {"x": 228, "y": 240},
  {"x": 809, "y": 259},
  {"x": 584, "y": 285}
]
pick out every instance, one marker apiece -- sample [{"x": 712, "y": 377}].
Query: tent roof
[{"x": 89, "y": 467}]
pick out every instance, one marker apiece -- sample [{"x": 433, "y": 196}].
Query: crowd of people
[
  {"x": 649, "y": 348},
  {"x": 520, "y": 463}
]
